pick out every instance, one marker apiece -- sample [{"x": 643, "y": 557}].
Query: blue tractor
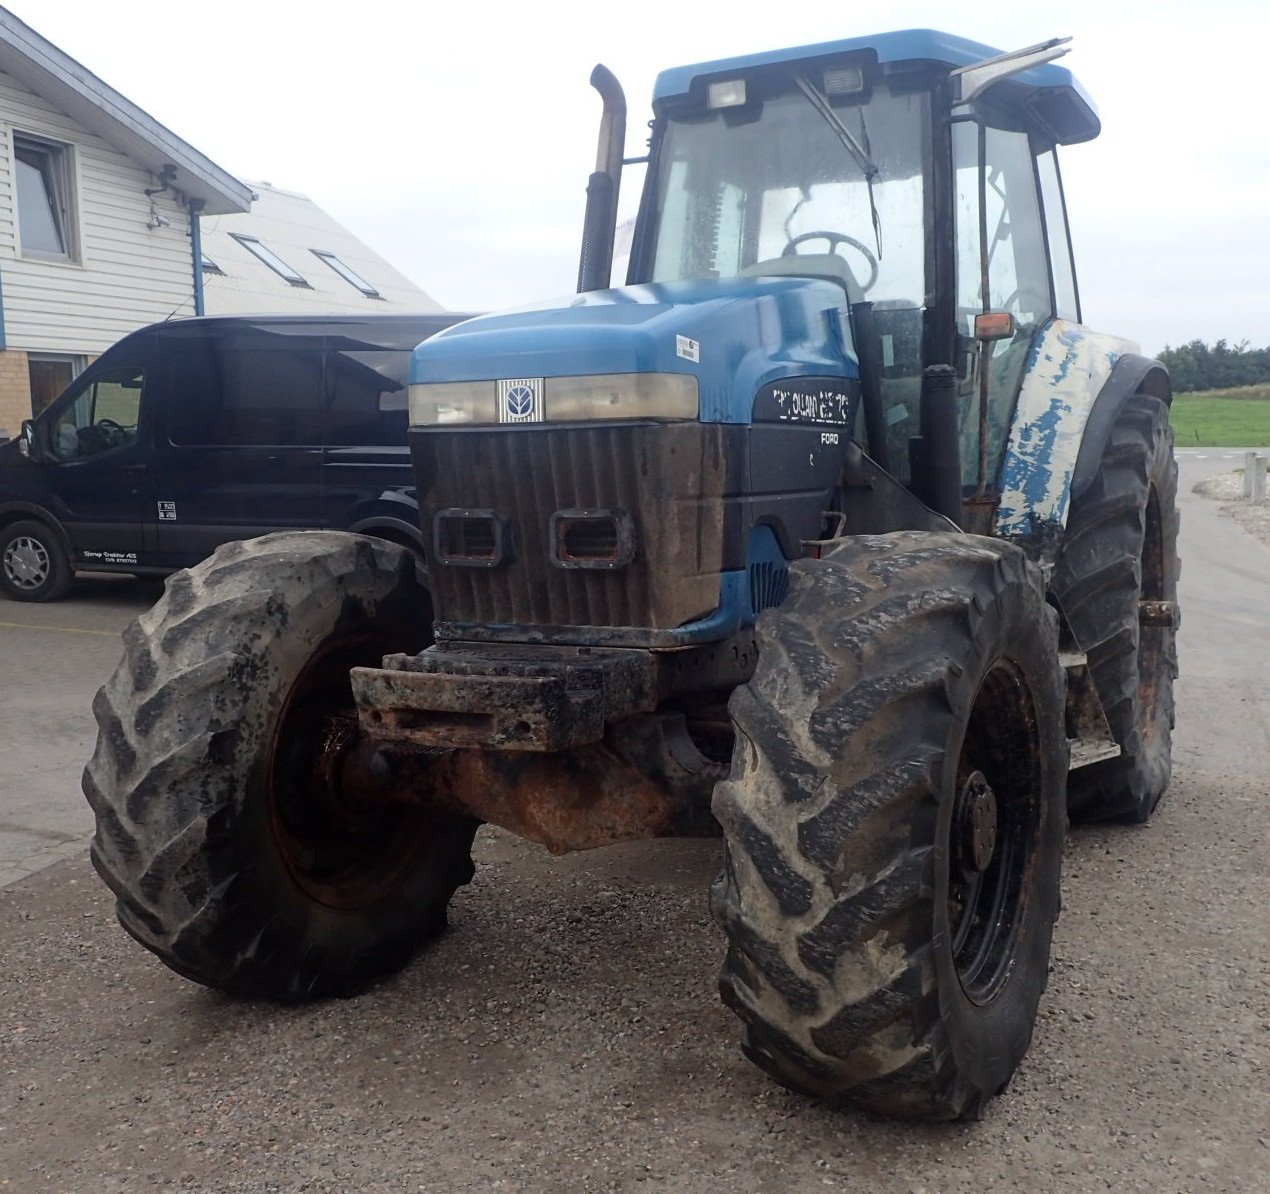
[{"x": 833, "y": 531}]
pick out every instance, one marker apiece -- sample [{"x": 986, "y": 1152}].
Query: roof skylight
[
  {"x": 350, "y": 275},
  {"x": 269, "y": 257}
]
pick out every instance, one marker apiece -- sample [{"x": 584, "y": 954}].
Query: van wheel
[
  {"x": 33, "y": 564},
  {"x": 400, "y": 540}
]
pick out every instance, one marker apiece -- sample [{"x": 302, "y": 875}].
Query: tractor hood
[{"x": 733, "y": 335}]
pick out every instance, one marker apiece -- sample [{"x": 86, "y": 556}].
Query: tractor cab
[{"x": 916, "y": 170}]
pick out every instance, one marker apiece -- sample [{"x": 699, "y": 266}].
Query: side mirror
[
  {"x": 27, "y": 445},
  {"x": 994, "y": 325}
]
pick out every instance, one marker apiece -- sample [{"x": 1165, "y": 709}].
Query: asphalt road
[
  {"x": 52, "y": 659},
  {"x": 565, "y": 1035}
]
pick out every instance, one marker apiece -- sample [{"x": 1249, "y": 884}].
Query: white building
[
  {"x": 99, "y": 211},
  {"x": 287, "y": 254}
]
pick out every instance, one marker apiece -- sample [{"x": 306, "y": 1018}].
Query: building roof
[
  {"x": 287, "y": 236},
  {"x": 44, "y": 69}
]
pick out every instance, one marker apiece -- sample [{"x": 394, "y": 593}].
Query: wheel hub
[
  {"x": 975, "y": 825},
  {"x": 343, "y": 852},
  {"x": 26, "y": 562}
]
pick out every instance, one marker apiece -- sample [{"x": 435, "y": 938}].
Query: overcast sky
[{"x": 456, "y": 138}]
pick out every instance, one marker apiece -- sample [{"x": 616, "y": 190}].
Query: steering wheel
[
  {"x": 112, "y": 434},
  {"x": 1027, "y": 298},
  {"x": 835, "y": 239}
]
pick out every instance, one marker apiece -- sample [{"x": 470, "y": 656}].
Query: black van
[{"x": 189, "y": 434}]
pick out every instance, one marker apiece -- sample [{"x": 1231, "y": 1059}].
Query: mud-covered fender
[
  {"x": 1132, "y": 374},
  {"x": 1074, "y": 387}
]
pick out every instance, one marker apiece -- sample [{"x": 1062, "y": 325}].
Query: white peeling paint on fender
[{"x": 1065, "y": 373}]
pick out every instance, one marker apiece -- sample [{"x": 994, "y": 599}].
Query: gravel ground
[
  {"x": 566, "y": 1034},
  {"x": 1228, "y": 488}
]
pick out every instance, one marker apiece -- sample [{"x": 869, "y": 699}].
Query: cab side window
[
  {"x": 101, "y": 417},
  {"x": 1066, "y": 298},
  {"x": 1001, "y": 266}
]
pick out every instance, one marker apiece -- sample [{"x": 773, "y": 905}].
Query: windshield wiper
[
  {"x": 821, "y": 103},
  {"x": 860, "y": 153}
]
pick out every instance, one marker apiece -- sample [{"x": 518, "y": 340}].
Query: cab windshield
[{"x": 839, "y": 184}]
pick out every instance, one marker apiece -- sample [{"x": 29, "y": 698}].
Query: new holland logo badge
[{"x": 520, "y": 400}]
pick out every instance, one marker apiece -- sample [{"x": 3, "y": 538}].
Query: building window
[
  {"x": 50, "y": 375},
  {"x": 210, "y": 267},
  {"x": 270, "y": 258},
  {"x": 46, "y": 198},
  {"x": 350, "y": 275}
]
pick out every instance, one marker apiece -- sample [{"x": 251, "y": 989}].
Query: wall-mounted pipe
[{"x": 194, "y": 207}]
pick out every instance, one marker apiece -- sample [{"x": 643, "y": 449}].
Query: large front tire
[
  {"x": 894, "y": 823},
  {"x": 221, "y": 825}
]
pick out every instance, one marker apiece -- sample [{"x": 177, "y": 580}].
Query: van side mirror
[{"x": 27, "y": 444}]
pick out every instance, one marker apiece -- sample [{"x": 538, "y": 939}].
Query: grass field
[{"x": 1238, "y": 418}]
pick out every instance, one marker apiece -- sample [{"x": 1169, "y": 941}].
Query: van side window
[
  {"x": 367, "y": 397},
  {"x": 101, "y": 417},
  {"x": 240, "y": 391}
]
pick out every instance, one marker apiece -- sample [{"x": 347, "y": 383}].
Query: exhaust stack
[{"x": 600, "y": 221}]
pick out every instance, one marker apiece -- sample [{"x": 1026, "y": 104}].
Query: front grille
[{"x": 669, "y": 480}]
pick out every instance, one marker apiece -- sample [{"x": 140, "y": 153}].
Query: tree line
[{"x": 1196, "y": 366}]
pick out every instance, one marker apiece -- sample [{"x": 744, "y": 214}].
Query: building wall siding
[{"x": 129, "y": 275}]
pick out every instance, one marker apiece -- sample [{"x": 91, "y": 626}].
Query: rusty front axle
[{"x": 647, "y": 779}]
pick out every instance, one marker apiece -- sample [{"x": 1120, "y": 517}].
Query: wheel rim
[
  {"x": 994, "y": 833},
  {"x": 343, "y": 853},
  {"x": 27, "y": 563}
]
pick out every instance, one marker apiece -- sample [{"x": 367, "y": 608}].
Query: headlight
[
  {"x": 453, "y": 402},
  {"x": 597, "y": 398}
]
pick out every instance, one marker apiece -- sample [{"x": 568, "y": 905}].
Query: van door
[
  {"x": 241, "y": 449},
  {"x": 95, "y": 468},
  {"x": 367, "y": 472}
]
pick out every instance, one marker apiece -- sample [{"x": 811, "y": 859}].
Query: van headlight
[{"x": 589, "y": 399}]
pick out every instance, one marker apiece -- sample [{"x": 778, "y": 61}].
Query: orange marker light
[{"x": 994, "y": 325}]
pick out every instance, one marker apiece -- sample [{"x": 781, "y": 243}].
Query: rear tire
[
  {"x": 33, "y": 564},
  {"x": 907, "y": 707},
  {"x": 221, "y": 825},
  {"x": 1120, "y": 549}
]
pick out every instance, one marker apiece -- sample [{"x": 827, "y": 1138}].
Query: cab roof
[{"x": 1062, "y": 102}]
